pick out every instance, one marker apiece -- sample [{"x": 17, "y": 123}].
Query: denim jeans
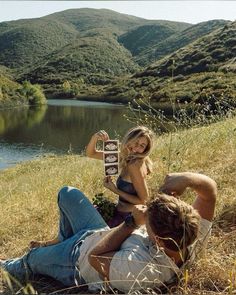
[{"x": 78, "y": 219}]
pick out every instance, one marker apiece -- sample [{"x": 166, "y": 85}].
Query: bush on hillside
[{"x": 33, "y": 93}]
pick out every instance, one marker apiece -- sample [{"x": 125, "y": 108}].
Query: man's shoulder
[{"x": 199, "y": 246}]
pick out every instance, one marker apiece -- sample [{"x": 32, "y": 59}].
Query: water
[{"x": 62, "y": 126}]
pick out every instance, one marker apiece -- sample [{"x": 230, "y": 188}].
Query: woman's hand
[
  {"x": 139, "y": 214},
  {"x": 101, "y": 135},
  {"x": 108, "y": 183},
  {"x": 91, "y": 150}
]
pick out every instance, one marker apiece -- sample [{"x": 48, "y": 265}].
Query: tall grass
[{"x": 28, "y": 197}]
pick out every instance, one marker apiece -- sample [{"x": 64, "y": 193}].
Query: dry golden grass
[{"x": 28, "y": 195}]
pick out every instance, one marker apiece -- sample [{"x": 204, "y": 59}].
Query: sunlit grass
[{"x": 28, "y": 197}]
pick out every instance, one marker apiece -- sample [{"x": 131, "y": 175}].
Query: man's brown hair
[{"x": 173, "y": 221}]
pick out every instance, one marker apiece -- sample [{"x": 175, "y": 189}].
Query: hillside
[
  {"x": 86, "y": 19},
  {"x": 9, "y": 94},
  {"x": 93, "y": 60},
  {"x": 202, "y": 72},
  {"x": 26, "y": 41},
  {"x": 13, "y": 93},
  {"x": 176, "y": 41},
  {"x": 213, "y": 52},
  {"x": 100, "y": 54},
  {"x": 139, "y": 39}
]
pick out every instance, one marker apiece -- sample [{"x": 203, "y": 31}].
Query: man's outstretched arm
[
  {"x": 100, "y": 256},
  {"x": 204, "y": 186}
]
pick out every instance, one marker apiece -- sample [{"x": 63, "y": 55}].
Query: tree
[{"x": 33, "y": 93}]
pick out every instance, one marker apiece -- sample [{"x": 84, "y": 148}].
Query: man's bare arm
[
  {"x": 100, "y": 256},
  {"x": 205, "y": 188}
]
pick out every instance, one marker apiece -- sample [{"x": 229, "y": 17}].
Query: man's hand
[
  {"x": 204, "y": 187},
  {"x": 175, "y": 184},
  {"x": 139, "y": 214}
]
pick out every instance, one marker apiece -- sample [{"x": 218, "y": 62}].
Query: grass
[{"x": 28, "y": 194}]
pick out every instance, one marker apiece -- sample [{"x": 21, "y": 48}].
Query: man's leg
[
  {"x": 76, "y": 213},
  {"x": 57, "y": 261}
]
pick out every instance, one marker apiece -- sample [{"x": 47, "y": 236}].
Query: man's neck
[{"x": 176, "y": 256}]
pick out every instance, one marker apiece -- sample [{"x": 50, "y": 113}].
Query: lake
[{"x": 60, "y": 127}]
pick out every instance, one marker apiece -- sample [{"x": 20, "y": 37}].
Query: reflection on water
[{"x": 60, "y": 126}]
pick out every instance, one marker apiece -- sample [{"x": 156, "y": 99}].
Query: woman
[{"x": 135, "y": 165}]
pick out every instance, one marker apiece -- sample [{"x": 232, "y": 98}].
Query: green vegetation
[
  {"x": 13, "y": 93},
  {"x": 33, "y": 93},
  {"x": 100, "y": 55},
  {"x": 9, "y": 94},
  {"x": 201, "y": 72},
  {"x": 89, "y": 60},
  {"x": 148, "y": 35},
  {"x": 32, "y": 40},
  {"x": 176, "y": 41},
  {"x": 104, "y": 206},
  {"x": 184, "y": 91},
  {"x": 211, "y": 53},
  {"x": 28, "y": 194}
]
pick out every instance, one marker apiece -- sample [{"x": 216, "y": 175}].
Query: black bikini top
[{"x": 126, "y": 187}]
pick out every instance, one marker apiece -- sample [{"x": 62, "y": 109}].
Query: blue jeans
[{"x": 78, "y": 219}]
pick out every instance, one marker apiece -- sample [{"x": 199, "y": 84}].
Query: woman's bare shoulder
[{"x": 137, "y": 164}]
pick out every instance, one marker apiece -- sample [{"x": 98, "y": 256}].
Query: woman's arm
[
  {"x": 137, "y": 177},
  {"x": 91, "y": 150},
  {"x": 138, "y": 181}
]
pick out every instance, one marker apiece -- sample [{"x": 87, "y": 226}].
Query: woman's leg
[
  {"x": 118, "y": 218},
  {"x": 76, "y": 213}
]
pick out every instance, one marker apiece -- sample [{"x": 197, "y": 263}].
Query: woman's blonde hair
[{"x": 131, "y": 136}]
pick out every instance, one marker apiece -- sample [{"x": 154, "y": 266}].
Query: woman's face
[{"x": 138, "y": 146}]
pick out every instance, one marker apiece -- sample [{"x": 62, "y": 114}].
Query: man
[{"x": 148, "y": 250}]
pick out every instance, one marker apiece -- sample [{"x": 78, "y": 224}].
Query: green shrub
[{"x": 33, "y": 93}]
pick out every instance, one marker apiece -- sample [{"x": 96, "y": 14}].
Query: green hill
[
  {"x": 143, "y": 37},
  {"x": 26, "y": 41},
  {"x": 202, "y": 72},
  {"x": 99, "y": 54},
  {"x": 177, "y": 40},
  {"x": 73, "y": 44},
  {"x": 86, "y": 19},
  {"x": 213, "y": 52},
  {"x": 89, "y": 60}
]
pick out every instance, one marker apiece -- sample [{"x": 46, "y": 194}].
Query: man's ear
[
  {"x": 174, "y": 194},
  {"x": 159, "y": 242}
]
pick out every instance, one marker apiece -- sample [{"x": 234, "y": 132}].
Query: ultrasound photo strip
[
  {"x": 111, "y": 169},
  {"x": 111, "y": 157},
  {"x": 111, "y": 146}
]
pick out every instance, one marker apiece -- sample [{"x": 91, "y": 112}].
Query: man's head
[{"x": 173, "y": 222}]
